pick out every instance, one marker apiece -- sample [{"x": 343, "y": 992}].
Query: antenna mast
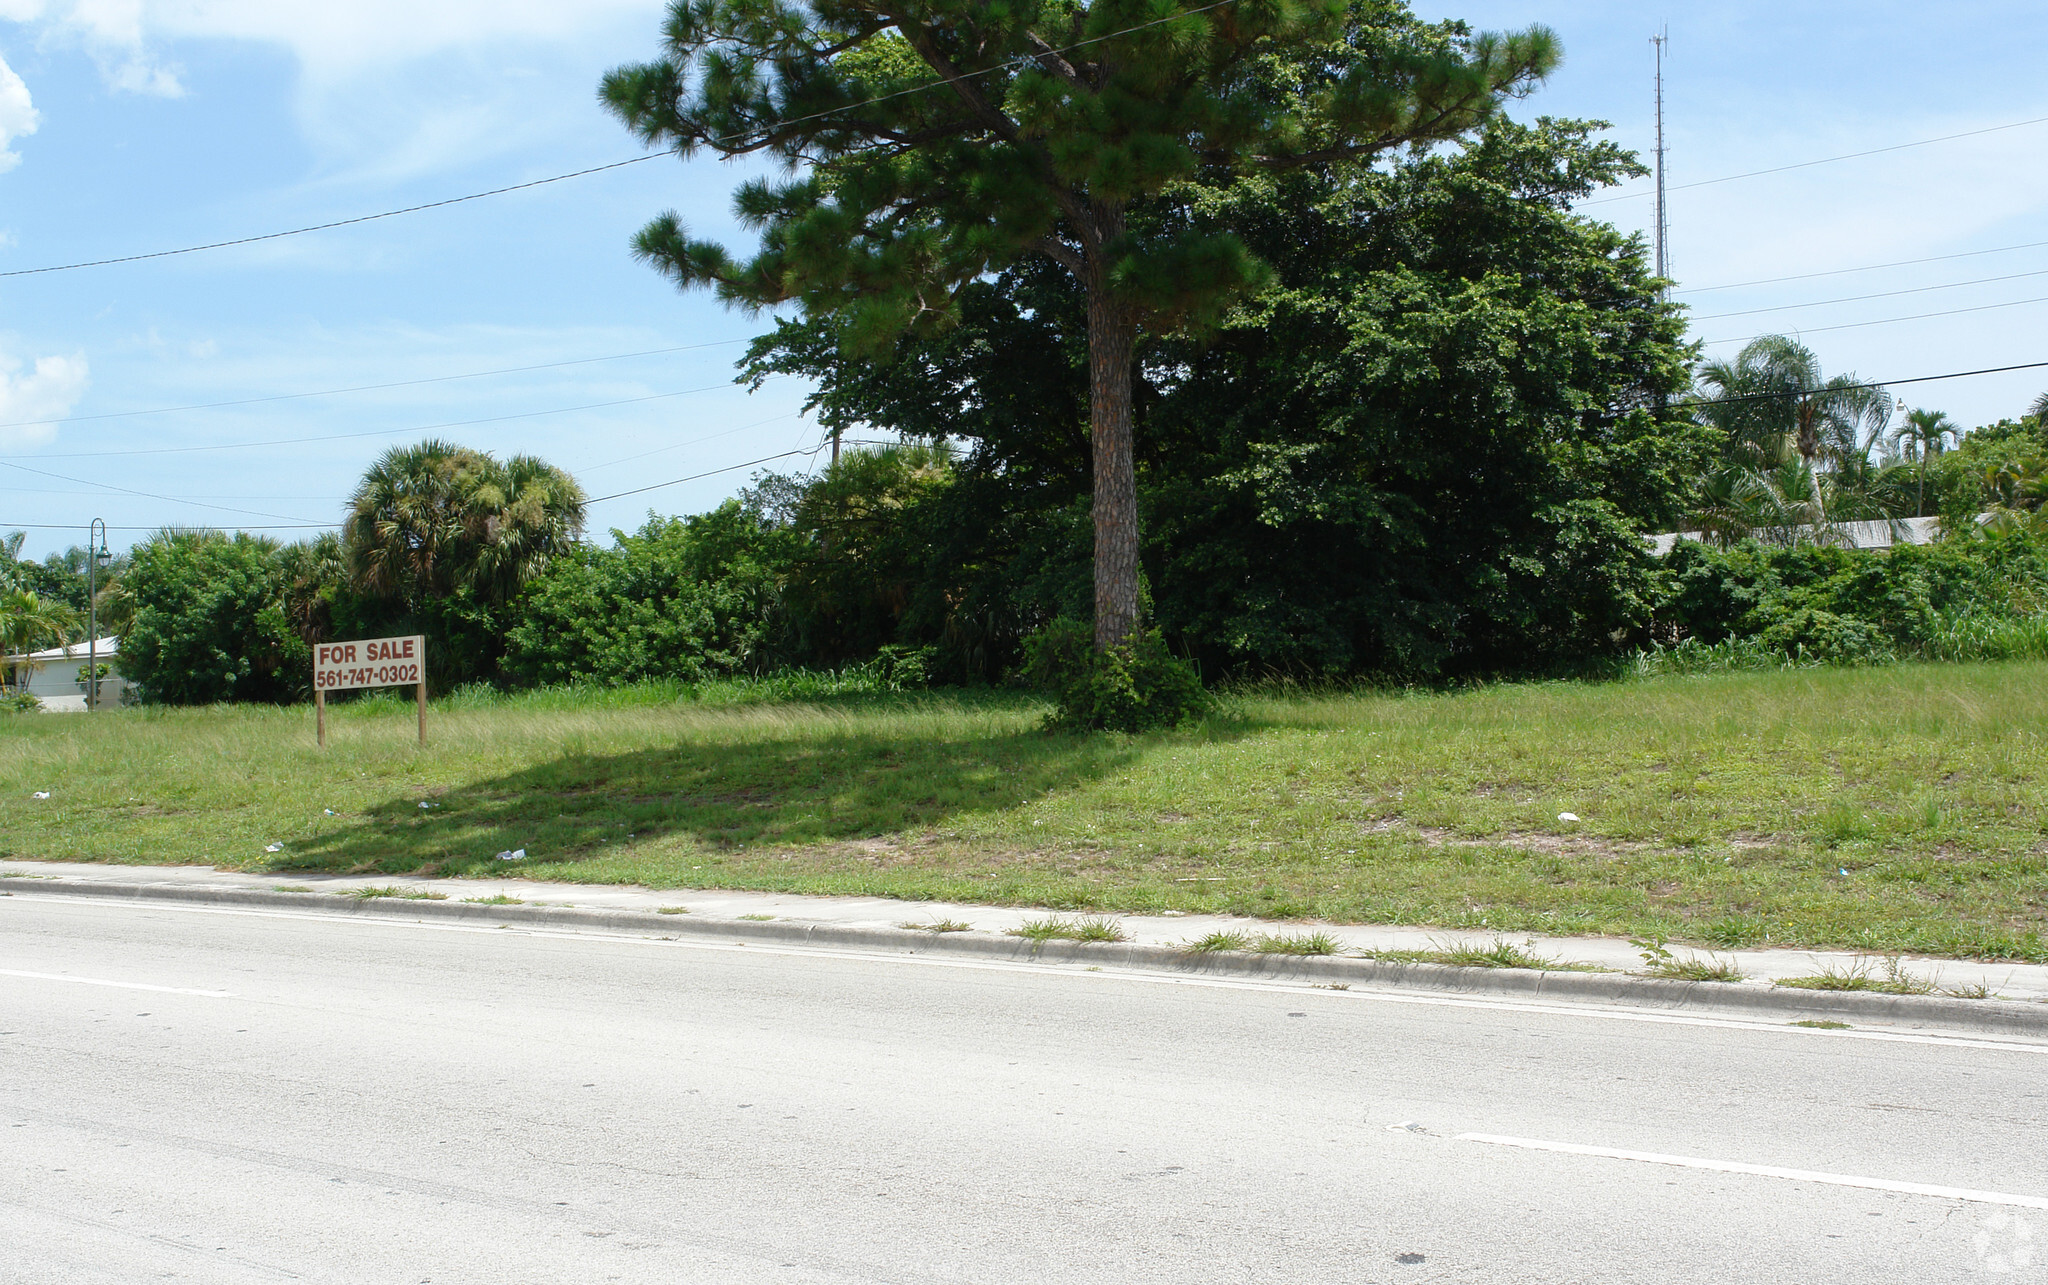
[{"x": 1661, "y": 39}]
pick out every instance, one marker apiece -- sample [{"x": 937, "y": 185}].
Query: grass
[
  {"x": 937, "y": 925},
  {"x": 1891, "y": 978},
  {"x": 1695, "y": 968},
  {"x": 1297, "y": 944},
  {"x": 1821, "y": 1025},
  {"x": 1887, "y": 810},
  {"x": 495, "y": 899},
  {"x": 402, "y": 894},
  {"x": 1218, "y": 942},
  {"x": 1094, "y": 928}
]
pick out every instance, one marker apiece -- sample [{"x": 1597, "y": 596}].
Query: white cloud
[
  {"x": 331, "y": 41},
  {"x": 30, "y": 399},
  {"x": 17, "y": 115}
]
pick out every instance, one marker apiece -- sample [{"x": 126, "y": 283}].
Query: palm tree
[
  {"x": 1921, "y": 434},
  {"x": 532, "y": 512},
  {"x": 428, "y": 520},
  {"x": 2038, "y": 408},
  {"x": 1782, "y": 424},
  {"x": 29, "y": 623},
  {"x": 311, "y": 568}
]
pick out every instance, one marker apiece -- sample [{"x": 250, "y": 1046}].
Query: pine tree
[{"x": 933, "y": 141}]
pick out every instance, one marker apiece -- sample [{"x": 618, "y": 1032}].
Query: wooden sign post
[{"x": 370, "y": 662}]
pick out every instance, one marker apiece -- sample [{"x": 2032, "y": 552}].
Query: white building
[{"x": 56, "y": 677}]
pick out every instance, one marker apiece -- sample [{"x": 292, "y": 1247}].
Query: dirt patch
[{"x": 1553, "y": 845}]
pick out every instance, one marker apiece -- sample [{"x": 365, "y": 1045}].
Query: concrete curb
[{"x": 1703, "y": 999}]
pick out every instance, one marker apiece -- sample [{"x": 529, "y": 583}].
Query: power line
[
  {"x": 1884, "y": 383},
  {"x": 1868, "y": 267},
  {"x": 1859, "y": 298},
  {"x": 147, "y": 495},
  {"x": 596, "y": 169},
  {"x": 1825, "y": 160},
  {"x": 695, "y": 441},
  {"x": 730, "y": 468},
  {"x": 369, "y": 388},
  {"x": 322, "y": 227},
  {"x": 1887, "y": 321},
  {"x": 73, "y": 526},
  {"x": 379, "y": 432}
]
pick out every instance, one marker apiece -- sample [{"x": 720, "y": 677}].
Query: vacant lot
[{"x": 1889, "y": 809}]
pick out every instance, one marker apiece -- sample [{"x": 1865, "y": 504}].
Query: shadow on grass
[{"x": 787, "y": 791}]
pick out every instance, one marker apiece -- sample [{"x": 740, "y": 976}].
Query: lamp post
[{"x": 95, "y": 553}]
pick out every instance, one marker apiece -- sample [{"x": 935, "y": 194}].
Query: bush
[
  {"x": 208, "y": 622},
  {"x": 1137, "y": 686},
  {"x": 20, "y": 703},
  {"x": 687, "y": 599},
  {"x": 1971, "y": 596}
]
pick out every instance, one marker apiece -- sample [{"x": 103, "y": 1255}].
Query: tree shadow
[{"x": 756, "y": 791}]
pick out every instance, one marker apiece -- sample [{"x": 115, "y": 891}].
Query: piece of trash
[
  {"x": 1841, "y": 870},
  {"x": 40, "y": 794},
  {"x": 1406, "y": 1126},
  {"x": 273, "y": 847},
  {"x": 513, "y": 854},
  {"x": 430, "y": 805},
  {"x": 330, "y": 812},
  {"x": 1567, "y": 816}
]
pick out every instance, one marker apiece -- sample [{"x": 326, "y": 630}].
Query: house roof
[{"x": 110, "y": 646}]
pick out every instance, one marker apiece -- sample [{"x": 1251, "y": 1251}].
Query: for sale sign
[{"x": 372, "y": 662}]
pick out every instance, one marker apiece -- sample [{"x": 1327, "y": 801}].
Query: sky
[{"x": 131, "y": 126}]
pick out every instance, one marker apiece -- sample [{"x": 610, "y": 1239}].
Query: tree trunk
[{"x": 1111, "y": 334}]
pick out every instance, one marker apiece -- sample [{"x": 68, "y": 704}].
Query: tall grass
[{"x": 1976, "y": 636}]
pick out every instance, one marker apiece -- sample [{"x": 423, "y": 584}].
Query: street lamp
[{"x": 97, "y": 555}]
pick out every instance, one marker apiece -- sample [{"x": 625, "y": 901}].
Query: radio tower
[{"x": 1661, "y": 39}]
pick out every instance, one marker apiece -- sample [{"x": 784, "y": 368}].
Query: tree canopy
[
  {"x": 935, "y": 142},
  {"x": 1432, "y": 445}
]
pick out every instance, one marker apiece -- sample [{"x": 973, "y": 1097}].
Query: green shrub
[
  {"x": 208, "y": 621},
  {"x": 1137, "y": 686},
  {"x": 20, "y": 703}
]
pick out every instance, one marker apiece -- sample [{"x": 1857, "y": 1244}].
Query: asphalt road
[{"x": 201, "y": 1094}]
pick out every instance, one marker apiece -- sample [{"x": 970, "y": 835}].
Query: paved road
[{"x": 261, "y": 1096}]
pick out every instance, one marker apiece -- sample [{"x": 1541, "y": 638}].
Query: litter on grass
[
  {"x": 40, "y": 794},
  {"x": 430, "y": 805},
  {"x": 513, "y": 854},
  {"x": 1567, "y": 816},
  {"x": 273, "y": 847}
]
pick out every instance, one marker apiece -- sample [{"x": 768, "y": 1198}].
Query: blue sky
[{"x": 133, "y": 125}]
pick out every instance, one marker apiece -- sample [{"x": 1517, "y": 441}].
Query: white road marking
[
  {"x": 1357, "y": 991},
  {"x": 100, "y": 981},
  {"x": 1766, "y": 1171}
]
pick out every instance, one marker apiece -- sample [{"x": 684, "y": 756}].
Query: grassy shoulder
[{"x": 1894, "y": 809}]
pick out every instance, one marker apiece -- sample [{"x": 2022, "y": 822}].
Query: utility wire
[
  {"x": 147, "y": 495},
  {"x": 1825, "y": 160},
  {"x": 695, "y": 441},
  {"x": 1868, "y": 267},
  {"x": 619, "y": 495},
  {"x": 730, "y": 468},
  {"x": 1887, "y": 321},
  {"x": 378, "y": 432},
  {"x": 599, "y": 169},
  {"x": 73, "y": 526},
  {"x": 369, "y": 388},
  {"x": 1859, "y": 298},
  {"x": 1886, "y": 383}
]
